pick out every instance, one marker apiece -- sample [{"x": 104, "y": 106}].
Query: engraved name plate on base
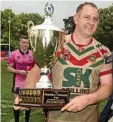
[{"x": 44, "y": 98}]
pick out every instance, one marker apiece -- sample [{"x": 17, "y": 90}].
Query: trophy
[{"x": 44, "y": 40}]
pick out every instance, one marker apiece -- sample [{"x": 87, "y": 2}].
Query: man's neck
[
  {"x": 79, "y": 39},
  {"x": 24, "y": 51}
]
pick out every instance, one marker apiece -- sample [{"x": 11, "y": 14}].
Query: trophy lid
[{"x": 48, "y": 24}]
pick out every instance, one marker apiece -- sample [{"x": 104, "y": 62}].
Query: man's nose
[{"x": 91, "y": 21}]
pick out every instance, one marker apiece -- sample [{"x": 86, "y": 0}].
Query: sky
[{"x": 62, "y": 9}]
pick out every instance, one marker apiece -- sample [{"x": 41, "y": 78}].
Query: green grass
[{"x": 7, "y": 99}]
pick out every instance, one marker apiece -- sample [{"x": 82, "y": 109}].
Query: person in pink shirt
[{"x": 20, "y": 62}]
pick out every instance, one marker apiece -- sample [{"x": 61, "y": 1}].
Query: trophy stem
[{"x": 44, "y": 81}]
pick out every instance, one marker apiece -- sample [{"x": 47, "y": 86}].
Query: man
[
  {"x": 86, "y": 71},
  {"x": 83, "y": 67},
  {"x": 20, "y": 62}
]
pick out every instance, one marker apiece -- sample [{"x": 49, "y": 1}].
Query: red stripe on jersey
[
  {"x": 103, "y": 51},
  {"x": 58, "y": 53},
  {"x": 105, "y": 72},
  {"x": 76, "y": 61},
  {"x": 61, "y": 51},
  {"x": 83, "y": 61}
]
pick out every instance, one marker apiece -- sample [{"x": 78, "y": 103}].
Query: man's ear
[{"x": 75, "y": 18}]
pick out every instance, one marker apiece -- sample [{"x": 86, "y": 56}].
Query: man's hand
[
  {"x": 16, "y": 101},
  {"x": 22, "y": 72},
  {"x": 77, "y": 104}
]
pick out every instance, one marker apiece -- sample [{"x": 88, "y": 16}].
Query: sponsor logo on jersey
[
  {"x": 65, "y": 55},
  {"x": 108, "y": 59},
  {"x": 76, "y": 80},
  {"x": 92, "y": 59},
  {"x": 18, "y": 57},
  {"x": 77, "y": 90},
  {"x": 30, "y": 58}
]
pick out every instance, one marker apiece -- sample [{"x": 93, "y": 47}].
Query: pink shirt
[{"x": 21, "y": 61}]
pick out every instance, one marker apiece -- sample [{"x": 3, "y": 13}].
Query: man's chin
[{"x": 88, "y": 34}]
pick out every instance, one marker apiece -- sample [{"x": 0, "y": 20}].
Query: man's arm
[
  {"x": 32, "y": 77},
  {"x": 13, "y": 70},
  {"x": 104, "y": 91},
  {"x": 80, "y": 102}
]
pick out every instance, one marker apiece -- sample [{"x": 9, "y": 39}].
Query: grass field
[{"x": 7, "y": 100}]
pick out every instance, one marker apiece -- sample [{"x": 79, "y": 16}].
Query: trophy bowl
[{"x": 44, "y": 40}]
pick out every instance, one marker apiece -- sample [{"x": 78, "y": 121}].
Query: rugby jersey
[
  {"x": 78, "y": 69},
  {"x": 21, "y": 61}
]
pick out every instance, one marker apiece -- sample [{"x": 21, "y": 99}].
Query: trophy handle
[
  {"x": 30, "y": 25},
  {"x": 54, "y": 55}
]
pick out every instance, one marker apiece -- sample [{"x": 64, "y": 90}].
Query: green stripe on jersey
[
  {"x": 97, "y": 63},
  {"x": 62, "y": 61},
  {"x": 77, "y": 52}
]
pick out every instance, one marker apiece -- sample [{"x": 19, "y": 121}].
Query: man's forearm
[
  {"x": 32, "y": 77},
  {"x": 11, "y": 69},
  {"x": 101, "y": 94}
]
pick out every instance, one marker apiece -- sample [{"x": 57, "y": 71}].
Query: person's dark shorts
[{"x": 15, "y": 90}]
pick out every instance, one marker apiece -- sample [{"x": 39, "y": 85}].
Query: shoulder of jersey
[
  {"x": 15, "y": 51},
  {"x": 101, "y": 46}
]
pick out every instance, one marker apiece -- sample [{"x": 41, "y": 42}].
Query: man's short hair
[
  {"x": 80, "y": 7},
  {"x": 23, "y": 37}
]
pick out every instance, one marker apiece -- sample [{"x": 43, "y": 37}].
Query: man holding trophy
[{"x": 82, "y": 67}]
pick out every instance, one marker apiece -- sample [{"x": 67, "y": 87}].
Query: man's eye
[
  {"x": 87, "y": 17},
  {"x": 95, "y": 19}
]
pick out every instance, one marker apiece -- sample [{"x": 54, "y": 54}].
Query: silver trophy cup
[{"x": 44, "y": 41}]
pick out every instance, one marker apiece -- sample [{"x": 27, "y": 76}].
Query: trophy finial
[{"x": 49, "y": 9}]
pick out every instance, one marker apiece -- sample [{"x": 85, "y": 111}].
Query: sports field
[{"x": 7, "y": 99}]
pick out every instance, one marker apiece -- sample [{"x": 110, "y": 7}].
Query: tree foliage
[
  {"x": 18, "y": 25},
  {"x": 104, "y": 33},
  {"x": 5, "y": 20},
  {"x": 69, "y": 25},
  {"x": 105, "y": 30}
]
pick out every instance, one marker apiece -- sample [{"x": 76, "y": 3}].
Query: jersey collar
[
  {"x": 80, "y": 45},
  {"x": 23, "y": 52}
]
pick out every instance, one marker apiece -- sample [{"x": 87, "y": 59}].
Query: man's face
[
  {"x": 24, "y": 44},
  {"x": 87, "y": 20}
]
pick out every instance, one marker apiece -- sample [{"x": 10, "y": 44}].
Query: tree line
[{"x": 18, "y": 25}]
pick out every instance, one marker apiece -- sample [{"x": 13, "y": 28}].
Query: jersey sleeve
[
  {"x": 10, "y": 60},
  {"x": 107, "y": 65}
]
